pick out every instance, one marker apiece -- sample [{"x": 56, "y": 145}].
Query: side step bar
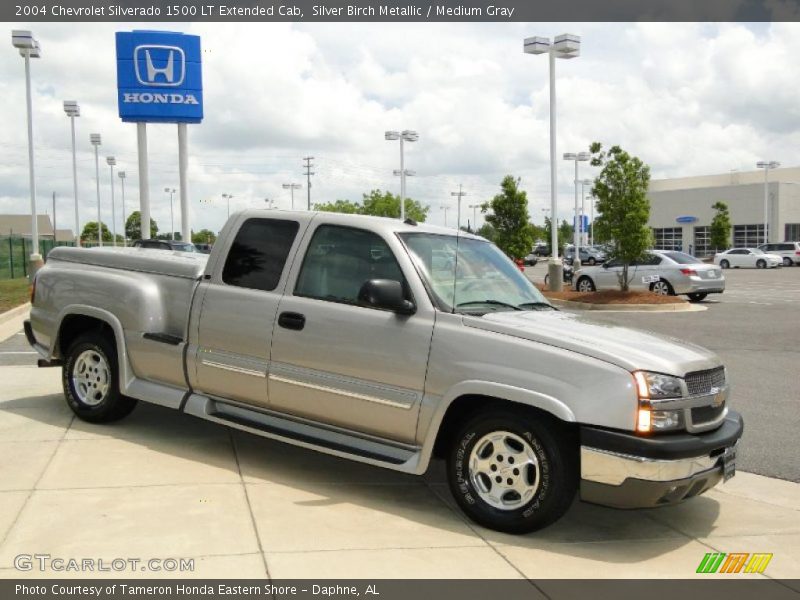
[{"x": 306, "y": 434}]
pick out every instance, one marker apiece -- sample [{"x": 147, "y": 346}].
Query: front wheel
[
  {"x": 585, "y": 285},
  {"x": 513, "y": 471},
  {"x": 91, "y": 382},
  {"x": 591, "y": 262},
  {"x": 697, "y": 297},
  {"x": 725, "y": 264},
  {"x": 662, "y": 287},
  {"x": 761, "y": 264},
  {"x": 787, "y": 262}
]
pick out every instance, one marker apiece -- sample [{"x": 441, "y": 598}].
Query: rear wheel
[
  {"x": 724, "y": 264},
  {"x": 662, "y": 287},
  {"x": 697, "y": 297},
  {"x": 787, "y": 262},
  {"x": 91, "y": 382},
  {"x": 514, "y": 471},
  {"x": 761, "y": 264},
  {"x": 591, "y": 261},
  {"x": 585, "y": 285}
]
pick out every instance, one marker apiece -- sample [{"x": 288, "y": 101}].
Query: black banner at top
[{"x": 399, "y": 10}]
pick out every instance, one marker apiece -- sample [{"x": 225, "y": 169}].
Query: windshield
[
  {"x": 682, "y": 258},
  {"x": 483, "y": 279}
]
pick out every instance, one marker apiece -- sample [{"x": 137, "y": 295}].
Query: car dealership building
[{"x": 681, "y": 213}]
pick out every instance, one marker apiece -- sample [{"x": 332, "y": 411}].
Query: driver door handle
[{"x": 292, "y": 320}]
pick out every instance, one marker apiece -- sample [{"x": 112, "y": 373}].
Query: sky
[{"x": 688, "y": 99}]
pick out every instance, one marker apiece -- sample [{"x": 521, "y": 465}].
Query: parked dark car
[
  {"x": 165, "y": 245},
  {"x": 203, "y": 248}
]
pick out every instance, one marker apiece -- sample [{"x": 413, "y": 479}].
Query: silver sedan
[{"x": 665, "y": 272}]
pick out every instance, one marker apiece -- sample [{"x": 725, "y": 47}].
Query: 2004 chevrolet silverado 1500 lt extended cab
[{"x": 390, "y": 343}]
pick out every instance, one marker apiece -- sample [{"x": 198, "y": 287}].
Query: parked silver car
[
  {"x": 663, "y": 272},
  {"x": 588, "y": 254}
]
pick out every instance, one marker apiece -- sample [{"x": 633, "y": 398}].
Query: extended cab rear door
[{"x": 237, "y": 305}]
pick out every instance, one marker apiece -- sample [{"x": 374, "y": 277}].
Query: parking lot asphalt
[{"x": 755, "y": 328}]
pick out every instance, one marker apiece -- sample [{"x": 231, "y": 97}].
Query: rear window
[
  {"x": 258, "y": 253},
  {"x": 682, "y": 258}
]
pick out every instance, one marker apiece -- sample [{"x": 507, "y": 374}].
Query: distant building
[
  {"x": 681, "y": 213},
  {"x": 20, "y": 225}
]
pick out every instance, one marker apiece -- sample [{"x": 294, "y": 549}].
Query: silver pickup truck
[{"x": 390, "y": 343}]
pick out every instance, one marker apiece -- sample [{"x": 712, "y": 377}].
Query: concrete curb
[
  {"x": 15, "y": 312},
  {"x": 677, "y": 307}
]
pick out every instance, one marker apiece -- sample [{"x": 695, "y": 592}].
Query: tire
[
  {"x": 547, "y": 279},
  {"x": 761, "y": 264},
  {"x": 724, "y": 264},
  {"x": 697, "y": 297},
  {"x": 90, "y": 378},
  {"x": 587, "y": 284},
  {"x": 547, "y": 484},
  {"x": 591, "y": 262},
  {"x": 787, "y": 262},
  {"x": 662, "y": 287}
]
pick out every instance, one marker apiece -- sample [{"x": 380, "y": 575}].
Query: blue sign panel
[
  {"x": 686, "y": 219},
  {"x": 159, "y": 77},
  {"x": 584, "y": 223}
]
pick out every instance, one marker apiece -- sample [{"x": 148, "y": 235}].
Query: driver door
[{"x": 336, "y": 362}]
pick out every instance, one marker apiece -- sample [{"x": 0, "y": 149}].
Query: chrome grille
[{"x": 702, "y": 382}]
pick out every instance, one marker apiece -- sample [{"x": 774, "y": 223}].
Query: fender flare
[{"x": 509, "y": 393}]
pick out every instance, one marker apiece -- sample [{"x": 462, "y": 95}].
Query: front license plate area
[{"x": 728, "y": 463}]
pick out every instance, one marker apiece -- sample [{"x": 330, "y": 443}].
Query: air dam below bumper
[{"x": 623, "y": 470}]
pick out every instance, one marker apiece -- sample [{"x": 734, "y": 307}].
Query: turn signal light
[{"x": 643, "y": 422}]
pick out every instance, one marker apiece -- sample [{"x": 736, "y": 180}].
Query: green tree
[
  {"x": 623, "y": 207},
  {"x": 386, "y": 204},
  {"x": 89, "y": 233},
  {"x": 204, "y": 236},
  {"x": 378, "y": 204},
  {"x": 566, "y": 233},
  {"x": 133, "y": 226},
  {"x": 720, "y": 230},
  {"x": 487, "y": 231},
  {"x": 340, "y": 206},
  {"x": 510, "y": 219}
]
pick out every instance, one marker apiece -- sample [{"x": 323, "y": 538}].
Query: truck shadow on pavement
[{"x": 295, "y": 495}]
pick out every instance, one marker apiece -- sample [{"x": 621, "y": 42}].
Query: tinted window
[
  {"x": 650, "y": 260},
  {"x": 682, "y": 258},
  {"x": 340, "y": 260},
  {"x": 258, "y": 254}
]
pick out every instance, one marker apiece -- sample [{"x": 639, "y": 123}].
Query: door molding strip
[{"x": 340, "y": 392}]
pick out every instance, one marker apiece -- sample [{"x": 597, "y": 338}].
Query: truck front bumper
[{"x": 623, "y": 470}]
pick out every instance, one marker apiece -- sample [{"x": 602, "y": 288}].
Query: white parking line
[{"x": 20, "y": 352}]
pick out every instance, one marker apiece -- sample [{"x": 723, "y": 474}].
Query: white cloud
[{"x": 687, "y": 98}]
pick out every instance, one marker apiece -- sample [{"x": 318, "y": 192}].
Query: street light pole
[
  {"x": 577, "y": 157},
  {"x": 584, "y": 183},
  {"x": 228, "y": 198},
  {"x": 445, "y": 208},
  {"x": 460, "y": 194},
  {"x": 171, "y": 191},
  {"x": 767, "y": 165},
  {"x": 564, "y": 46},
  {"x": 111, "y": 162},
  {"x": 121, "y": 175},
  {"x": 291, "y": 187},
  {"x": 95, "y": 140},
  {"x": 29, "y": 48},
  {"x": 474, "y": 208},
  {"x": 407, "y": 135},
  {"x": 72, "y": 110}
]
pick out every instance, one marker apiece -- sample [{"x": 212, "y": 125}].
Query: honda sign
[{"x": 159, "y": 77}]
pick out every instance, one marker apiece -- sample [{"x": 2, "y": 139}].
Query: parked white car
[
  {"x": 788, "y": 251},
  {"x": 752, "y": 258},
  {"x": 663, "y": 272}
]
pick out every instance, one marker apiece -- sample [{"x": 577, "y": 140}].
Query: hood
[{"x": 631, "y": 349}]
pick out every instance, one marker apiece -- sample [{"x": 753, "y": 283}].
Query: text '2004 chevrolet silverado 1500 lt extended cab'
[{"x": 390, "y": 343}]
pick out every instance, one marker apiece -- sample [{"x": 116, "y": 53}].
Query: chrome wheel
[
  {"x": 504, "y": 470},
  {"x": 91, "y": 377},
  {"x": 585, "y": 285},
  {"x": 661, "y": 288}
]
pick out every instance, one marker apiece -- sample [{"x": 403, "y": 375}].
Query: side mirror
[{"x": 386, "y": 294}]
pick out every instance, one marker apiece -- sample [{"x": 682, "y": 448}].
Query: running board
[{"x": 306, "y": 434}]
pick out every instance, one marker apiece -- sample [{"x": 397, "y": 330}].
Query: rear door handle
[{"x": 292, "y": 320}]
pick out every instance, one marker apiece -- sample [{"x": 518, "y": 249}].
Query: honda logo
[{"x": 159, "y": 66}]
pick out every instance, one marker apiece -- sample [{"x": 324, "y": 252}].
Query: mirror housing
[{"x": 385, "y": 294}]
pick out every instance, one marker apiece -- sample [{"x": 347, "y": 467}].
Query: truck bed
[{"x": 174, "y": 264}]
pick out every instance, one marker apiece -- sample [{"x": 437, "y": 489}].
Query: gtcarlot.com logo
[
  {"x": 735, "y": 562},
  {"x": 46, "y": 562}
]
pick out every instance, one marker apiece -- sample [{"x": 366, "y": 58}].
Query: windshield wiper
[
  {"x": 525, "y": 305},
  {"x": 489, "y": 302}
]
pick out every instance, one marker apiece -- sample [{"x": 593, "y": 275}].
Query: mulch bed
[{"x": 611, "y": 297}]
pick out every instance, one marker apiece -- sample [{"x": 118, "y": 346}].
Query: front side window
[
  {"x": 339, "y": 260},
  {"x": 681, "y": 258},
  {"x": 258, "y": 253},
  {"x": 469, "y": 275}
]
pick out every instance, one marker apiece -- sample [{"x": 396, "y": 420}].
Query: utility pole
[
  {"x": 460, "y": 195},
  {"x": 445, "y": 208},
  {"x": 54, "y": 219},
  {"x": 308, "y": 166}
]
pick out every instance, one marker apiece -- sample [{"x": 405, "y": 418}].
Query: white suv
[{"x": 788, "y": 251}]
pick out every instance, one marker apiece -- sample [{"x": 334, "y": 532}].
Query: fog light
[{"x": 666, "y": 419}]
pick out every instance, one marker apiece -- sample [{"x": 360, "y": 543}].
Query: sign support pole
[
  {"x": 144, "y": 183},
  {"x": 183, "y": 165}
]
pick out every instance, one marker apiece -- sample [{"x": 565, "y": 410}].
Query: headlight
[{"x": 651, "y": 388}]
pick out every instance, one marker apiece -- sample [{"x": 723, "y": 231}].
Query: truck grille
[
  {"x": 702, "y": 382},
  {"x": 706, "y": 414}
]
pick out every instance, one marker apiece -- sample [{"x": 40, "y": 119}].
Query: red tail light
[
  {"x": 688, "y": 271},
  {"x": 798, "y": 253}
]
